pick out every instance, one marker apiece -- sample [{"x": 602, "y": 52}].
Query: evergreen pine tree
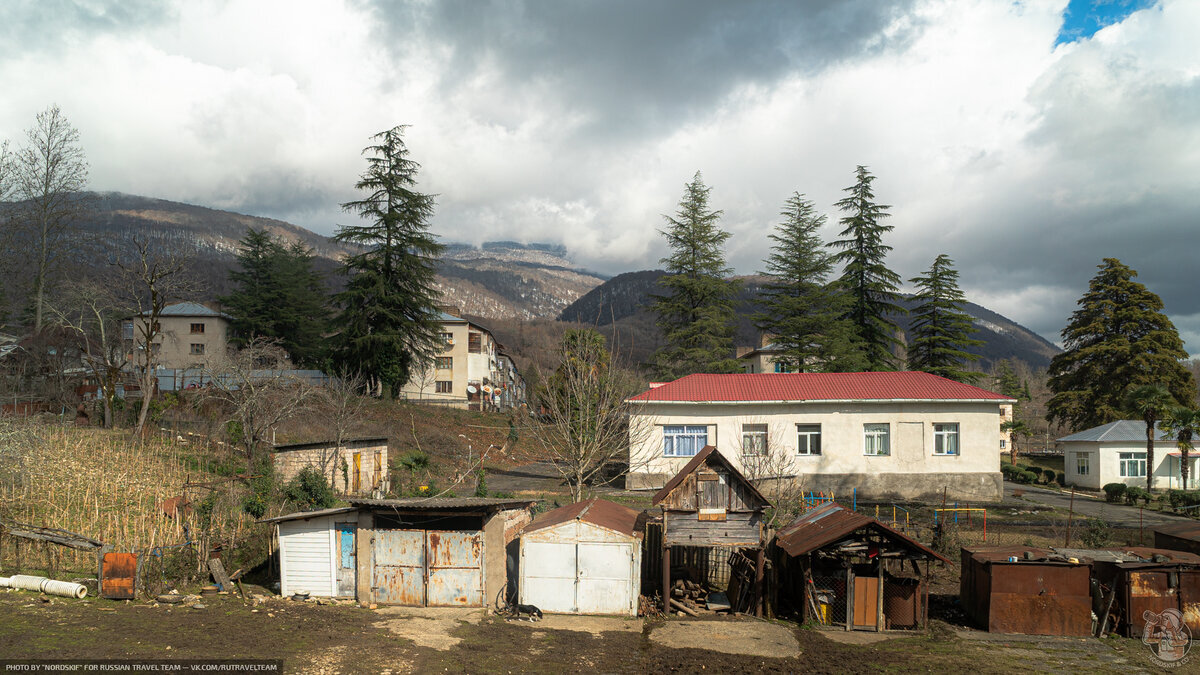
[
  {"x": 389, "y": 318},
  {"x": 872, "y": 288},
  {"x": 279, "y": 294},
  {"x": 940, "y": 331},
  {"x": 801, "y": 311},
  {"x": 695, "y": 313},
  {"x": 1117, "y": 339}
]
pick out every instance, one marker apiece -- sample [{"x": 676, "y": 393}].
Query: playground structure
[{"x": 901, "y": 518}]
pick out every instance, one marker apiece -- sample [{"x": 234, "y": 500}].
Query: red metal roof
[
  {"x": 600, "y": 512},
  {"x": 816, "y": 387}
]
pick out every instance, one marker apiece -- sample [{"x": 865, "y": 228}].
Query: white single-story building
[
  {"x": 1116, "y": 453},
  {"x": 903, "y": 435},
  {"x": 584, "y": 558}
]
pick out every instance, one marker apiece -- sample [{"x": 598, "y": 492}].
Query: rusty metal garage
[{"x": 435, "y": 552}]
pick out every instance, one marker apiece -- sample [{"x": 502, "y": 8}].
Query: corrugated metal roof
[
  {"x": 761, "y": 387},
  {"x": 1003, "y": 553},
  {"x": 305, "y": 515},
  {"x": 191, "y": 309},
  {"x": 827, "y": 524},
  {"x": 285, "y": 447},
  {"x": 1182, "y": 530},
  {"x": 695, "y": 462},
  {"x": 600, "y": 512},
  {"x": 443, "y": 316},
  {"x": 446, "y": 503},
  {"x": 1121, "y": 431}
]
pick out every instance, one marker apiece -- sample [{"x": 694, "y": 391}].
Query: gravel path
[{"x": 1116, "y": 515}]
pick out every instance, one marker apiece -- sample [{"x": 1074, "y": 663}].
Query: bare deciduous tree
[
  {"x": 340, "y": 402},
  {"x": 151, "y": 281},
  {"x": 256, "y": 391},
  {"x": 50, "y": 172},
  {"x": 94, "y": 313},
  {"x": 583, "y": 425},
  {"x": 771, "y": 465}
]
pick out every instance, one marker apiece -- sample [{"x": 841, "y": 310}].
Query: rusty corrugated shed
[
  {"x": 828, "y": 524},
  {"x": 600, "y": 512},
  {"x": 699, "y": 459},
  {"x": 760, "y": 387},
  {"x": 1185, "y": 530},
  {"x": 444, "y": 503},
  {"x": 1048, "y": 595}
]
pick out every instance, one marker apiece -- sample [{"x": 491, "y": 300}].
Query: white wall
[
  {"x": 910, "y": 426},
  {"x": 1105, "y": 468},
  {"x": 308, "y": 555}
]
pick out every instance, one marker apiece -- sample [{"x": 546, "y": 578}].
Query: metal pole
[{"x": 1070, "y": 519}]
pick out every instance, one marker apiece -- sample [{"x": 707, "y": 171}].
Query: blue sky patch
[{"x": 1084, "y": 17}]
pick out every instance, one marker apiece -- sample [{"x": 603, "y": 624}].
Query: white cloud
[{"x": 1026, "y": 163}]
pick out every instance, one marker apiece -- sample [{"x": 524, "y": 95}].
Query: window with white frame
[
  {"x": 876, "y": 440},
  {"x": 684, "y": 440},
  {"x": 754, "y": 439},
  {"x": 1133, "y": 464},
  {"x": 945, "y": 439},
  {"x": 1082, "y": 467},
  {"x": 1002, "y": 444},
  {"x": 808, "y": 439}
]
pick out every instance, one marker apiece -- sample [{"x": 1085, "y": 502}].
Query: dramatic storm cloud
[{"x": 1027, "y": 140}]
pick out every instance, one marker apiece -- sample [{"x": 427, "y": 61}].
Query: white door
[
  {"x": 605, "y": 575},
  {"x": 548, "y": 576}
]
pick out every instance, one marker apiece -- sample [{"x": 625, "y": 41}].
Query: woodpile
[{"x": 688, "y": 596}]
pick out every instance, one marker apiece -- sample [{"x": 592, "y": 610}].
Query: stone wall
[{"x": 915, "y": 487}]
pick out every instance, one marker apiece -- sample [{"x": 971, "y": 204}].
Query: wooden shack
[
  {"x": 710, "y": 503},
  {"x": 840, "y": 568}
]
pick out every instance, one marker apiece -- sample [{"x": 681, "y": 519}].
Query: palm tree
[
  {"x": 1016, "y": 429},
  {"x": 1184, "y": 424},
  {"x": 1149, "y": 402}
]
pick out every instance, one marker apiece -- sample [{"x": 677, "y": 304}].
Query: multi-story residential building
[
  {"x": 190, "y": 336},
  {"x": 470, "y": 372},
  {"x": 905, "y": 435}
]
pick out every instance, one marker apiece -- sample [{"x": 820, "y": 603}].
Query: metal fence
[{"x": 827, "y": 600}]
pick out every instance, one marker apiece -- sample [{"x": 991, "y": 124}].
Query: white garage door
[{"x": 585, "y": 578}]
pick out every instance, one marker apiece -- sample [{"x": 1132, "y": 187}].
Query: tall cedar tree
[
  {"x": 279, "y": 294},
  {"x": 389, "y": 326},
  {"x": 695, "y": 313},
  {"x": 873, "y": 289},
  {"x": 801, "y": 311},
  {"x": 940, "y": 330},
  {"x": 1117, "y": 339}
]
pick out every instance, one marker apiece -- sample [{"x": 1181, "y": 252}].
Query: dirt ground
[{"x": 347, "y": 639}]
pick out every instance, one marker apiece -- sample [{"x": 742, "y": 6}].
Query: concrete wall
[
  {"x": 175, "y": 341},
  {"x": 289, "y": 463},
  {"x": 1104, "y": 464},
  {"x": 498, "y": 531},
  {"x": 909, "y": 472}
]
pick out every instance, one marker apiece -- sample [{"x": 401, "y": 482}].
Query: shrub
[
  {"x": 1097, "y": 534},
  {"x": 1134, "y": 493},
  {"x": 415, "y": 461},
  {"x": 481, "y": 484},
  {"x": 262, "y": 487},
  {"x": 1009, "y": 471},
  {"x": 1026, "y": 477},
  {"x": 1036, "y": 470},
  {"x": 1062, "y": 479},
  {"x": 1049, "y": 475},
  {"x": 310, "y": 490},
  {"x": 1113, "y": 492}
]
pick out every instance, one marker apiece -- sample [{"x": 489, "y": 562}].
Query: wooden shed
[
  {"x": 585, "y": 558},
  {"x": 847, "y": 569},
  {"x": 710, "y": 503},
  {"x": 442, "y": 551}
]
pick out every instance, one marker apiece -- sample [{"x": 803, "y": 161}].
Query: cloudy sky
[{"x": 1027, "y": 140}]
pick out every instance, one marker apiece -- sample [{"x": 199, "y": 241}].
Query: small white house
[
  {"x": 1116, "y": 453},
  {"x": 585, "y": 558},
  {"x": 905, "y": 435},
  {"x": 317, "y": 552}
]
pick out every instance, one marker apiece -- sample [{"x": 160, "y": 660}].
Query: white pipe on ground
[
  {"x": 26, "y": 582},
  {"x": 66, "y": 589},
  {"x": 4, "y": 582}
]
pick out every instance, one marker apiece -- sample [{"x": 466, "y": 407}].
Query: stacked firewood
[{"x": 688, "y": 596}]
